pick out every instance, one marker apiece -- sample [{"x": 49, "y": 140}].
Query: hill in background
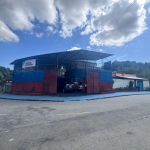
[{"x": 131, "y": 67}]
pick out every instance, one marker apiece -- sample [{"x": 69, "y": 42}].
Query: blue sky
[{"x": 26, "y": 30}]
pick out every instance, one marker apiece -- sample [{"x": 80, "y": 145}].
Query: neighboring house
[{"x": 122, "y": 80}]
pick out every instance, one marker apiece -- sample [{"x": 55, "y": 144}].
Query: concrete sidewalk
[{"x": 67, "y": 99}]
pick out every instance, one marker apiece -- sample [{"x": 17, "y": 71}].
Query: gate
[
  {"x": 50, "y": 82},
  {"x": 140, "y": 85},
  {"x": 96, "y": 82},
  {"x": 92, "y": 82}
]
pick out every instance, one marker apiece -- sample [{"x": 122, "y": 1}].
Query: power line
[{"x": 117, "y": 21}]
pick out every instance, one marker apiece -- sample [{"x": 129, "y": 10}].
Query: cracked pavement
[{"x": 107, "y": 124}]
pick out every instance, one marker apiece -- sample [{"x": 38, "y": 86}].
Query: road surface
[{"x": 121, "y": 123}]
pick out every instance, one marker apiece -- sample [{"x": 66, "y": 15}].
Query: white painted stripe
[
  {"x": 73, "y": 113},
  {"x": 11, "y": 140},
  {"x": 2, "y": 114}
]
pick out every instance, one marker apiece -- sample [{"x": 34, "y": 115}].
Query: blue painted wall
[{"x": 37, "y": 76}]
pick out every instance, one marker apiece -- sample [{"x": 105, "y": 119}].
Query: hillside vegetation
[{"x": 131, "y": 67}]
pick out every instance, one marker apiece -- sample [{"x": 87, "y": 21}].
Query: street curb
[
  {"x": 116, "y": 96},
  {"x": 68, "y": 99}
]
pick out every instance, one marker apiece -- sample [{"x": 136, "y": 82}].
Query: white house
[{"x": 122, "y": 80}]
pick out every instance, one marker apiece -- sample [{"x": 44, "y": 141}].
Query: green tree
[
  {"x": 131, "y": 67},
  {"x": 5, "y": 73}
]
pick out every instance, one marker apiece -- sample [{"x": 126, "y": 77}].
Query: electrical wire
[{"x": 117, "y": 21}]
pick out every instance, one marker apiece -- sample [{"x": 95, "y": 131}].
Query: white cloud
[
  {"x": 6, "y": 34},
  {"x": 75, "y": 14},
  {"x": 66, "y": 32},
  {"x": 95, "y": 18},
  {"x": 20, "y": 15},
  {"x": 50, "y": 28},
  {"x": 74, "y": 49},
  {"x": 129, "y": 26},
  {"x": 39, "y": 35},
  {"x": 55, "y": 31},
  {"x": 99, "y": 18},
  {"x": 149, "y": 10},
  {"x": 88, "y": 47},
  {"x": 87, "y": 30}
]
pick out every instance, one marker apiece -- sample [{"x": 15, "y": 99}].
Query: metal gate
[
  {"x": 140, "y": 85},
  {"x": 96, "y": 82},
  {"x": 50, "y": 82},
  {"x": 92, "y": 82}
]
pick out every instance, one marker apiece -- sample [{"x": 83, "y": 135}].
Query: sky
[{"x": 31, "y": 27}]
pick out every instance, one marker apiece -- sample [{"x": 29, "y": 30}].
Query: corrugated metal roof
[
  {"x": 68, "y": 56},
  {"x": 127, "y": 76},
  {"x": 131, "y": 78}
]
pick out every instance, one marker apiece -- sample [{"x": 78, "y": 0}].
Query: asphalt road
[{"x": 121, "y": 123}]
